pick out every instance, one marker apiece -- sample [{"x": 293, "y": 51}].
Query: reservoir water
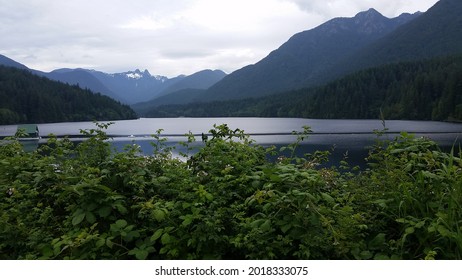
[{"x": 341, "y": 137}]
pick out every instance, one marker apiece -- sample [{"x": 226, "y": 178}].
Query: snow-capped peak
[
  {"x": 137, "y": 74},
  {"x": 134, "y": 75},
  {"x": 160, "y": 78}
]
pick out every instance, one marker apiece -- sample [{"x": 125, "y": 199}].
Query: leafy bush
[{"x": 227, "y": 201}]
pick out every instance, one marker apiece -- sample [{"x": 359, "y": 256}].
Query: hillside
[
  {"x": 83, "y": 79},
  {"x": 421, "y": 90},
  {"x": 437, "y": 32},
  {"x": 187, "y": 90},
  {"x": 27, "y": 98},
  {"x": 199, "y": 80},
  {"x": 6, "y": 61},
  {"x": 180, "y": 97},
  {"x": 305, "y": 56}
]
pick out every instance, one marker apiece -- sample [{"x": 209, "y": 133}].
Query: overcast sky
[{"x": 167, "y": 37}]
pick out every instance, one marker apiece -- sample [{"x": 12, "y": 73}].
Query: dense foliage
[
  {"x": 227, "y": 201},
  {"x": 422, "y": 90},
  {"x": 27, "y": 98}
]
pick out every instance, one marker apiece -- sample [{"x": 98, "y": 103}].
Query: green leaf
[
  {"x": 91, "y": 207},
  {"x": 121, "y": 223},
  {"x": 109, "y": 243},
  {"x": 327, "y": 198},
  {"x": 311, "y": 197},
  {"x": 256, "y": 184},
  {"x": 163, "y": 179},
  {"x": 377, "y": 242},
  {"x": 104, "y": 211},
  {"x": 78, "y": 219},
  {"x": 409, "y": 230},
  {"x": 266, "y": 226},
  {"x": 121, "y": 208},
  {"x": 100, "y": 242},
  {"x": 428, "y": 174},
  {"x": 443, "y": 231},
  {"x": 420, "y": 224},
  {"x": 275, "y": 178},
  {"x": 157, "y": 234},
  {"x": 166, "y": 239},
  {"x": 188, "y": 219},
  {"x": 381, "y": 202},
  {"x": 79, "y": 211},
  {"x": 209, "y": 196},
  {"x": 366, "y": 255},
  {"x": 141, "y": 254},
  {"x": 159, "y": 215},
  {"x": 257, "y": 223},
  {"x": 47, "y": 251},
  {"x": 286, "y": 228},
  {"x": 90, "y": 217},
  {"x": 132, "y": 235}
]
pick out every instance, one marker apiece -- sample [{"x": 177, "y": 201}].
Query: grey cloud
[{"x": 184, "y": 53}]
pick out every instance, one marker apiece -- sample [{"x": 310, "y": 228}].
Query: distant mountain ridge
[
  {"x": 128, "y": 87},
  {"x": 137, "y": 86},
  {"x": 199, "y": 80},
  {"x": 82, "y": 78},
  {"x": 6, "y": 61},
  {"x": 134, "y": 86},
  {"x": 185, "y": 91}
]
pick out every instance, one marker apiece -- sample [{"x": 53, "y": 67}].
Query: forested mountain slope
[
  {"x": 421, "y": 90},
  {"x": 27, "y": 98},
  {"x": 305, "y": 56},
  {"x": 437, "y": 32}
]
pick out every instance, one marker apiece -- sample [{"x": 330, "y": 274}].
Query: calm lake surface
[{"x": 341, "y": 137}]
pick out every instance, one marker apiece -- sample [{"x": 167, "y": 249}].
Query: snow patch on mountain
[{"x": 135, "y": 76}]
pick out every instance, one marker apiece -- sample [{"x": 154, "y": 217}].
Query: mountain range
[
  {"x": 302, "y": 61},
  {"x": 127, "y": 87}
]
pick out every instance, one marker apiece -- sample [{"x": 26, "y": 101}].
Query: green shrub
[{"x": 227, "y": 201}]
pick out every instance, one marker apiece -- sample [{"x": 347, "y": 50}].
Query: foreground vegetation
[{"x": 228, "y": 201}]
